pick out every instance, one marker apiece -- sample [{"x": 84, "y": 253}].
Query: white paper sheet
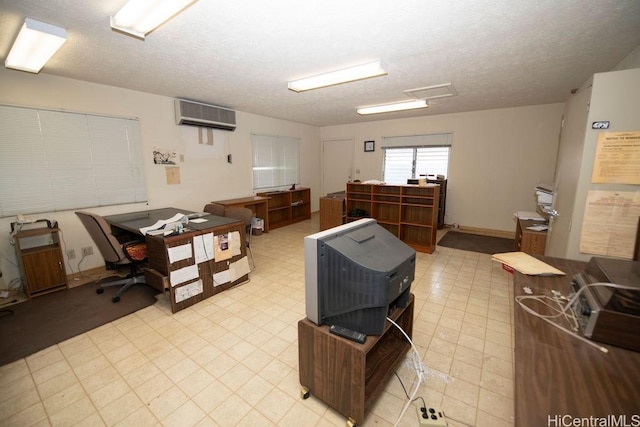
[
  {"x": 239, "y": 268},
  {"x": 235, "y": 243},
  {"x": 187, "y": 291},
  {"x": 221, "y": 278},
  {"x": 183, "y": 275},
  {"x": 198, "y": 220},
  {"x": 203, "y": 247},
  {"x": 178, "y": 253}
]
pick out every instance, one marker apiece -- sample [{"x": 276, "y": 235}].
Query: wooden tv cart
[
  {"x": 409, "y": 212},
  {"x": 346, "y": 375}
]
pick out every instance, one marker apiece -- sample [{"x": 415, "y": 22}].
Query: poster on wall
[
  {"x": 617, "y": 158},
  {"x": 610, "y": 223}
]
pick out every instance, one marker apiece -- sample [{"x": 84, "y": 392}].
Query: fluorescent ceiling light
[
  {"x": 397, "y": 106},
  {"x": 139, "y": 17},
  {"x": 358, "y": 72},
  {"x": 35, "y": 45}
]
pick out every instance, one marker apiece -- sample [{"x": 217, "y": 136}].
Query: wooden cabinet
[
  {"x": 41, "y": 263},
  {"x": 288, "y": 206},
  {"x": 346, "y": 375},
  {"x": 409, "y": 212},
  {"x": 332, "y": 211},
  {"x": 530, "y": 241},
  {"x": 442, "y": 203}
]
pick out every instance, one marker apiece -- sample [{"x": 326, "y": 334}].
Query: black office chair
[
  {"x": 245, "y": 215},
  {"x": 115, "y": 254}
]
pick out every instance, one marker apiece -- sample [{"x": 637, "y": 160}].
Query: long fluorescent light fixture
[
  {"x": 358, "y": 72},
  {"x": 139, "y": 17},
  {"x": 397, "y": 106},
  {"x": 36, "y": 43}
]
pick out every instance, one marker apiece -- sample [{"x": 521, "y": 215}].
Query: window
[
  {"x": 412, "y": 156},
  {"x": 275, "y": 161},
  {"x": 56, "y": 160}
]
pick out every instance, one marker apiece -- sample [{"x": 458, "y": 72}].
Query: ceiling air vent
[{"x": 198, "y": 114}]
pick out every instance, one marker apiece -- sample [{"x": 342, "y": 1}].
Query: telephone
[{"x": 25, "y": 219}]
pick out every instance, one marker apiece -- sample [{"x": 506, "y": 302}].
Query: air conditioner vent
[{"x": 198, "y": 114}]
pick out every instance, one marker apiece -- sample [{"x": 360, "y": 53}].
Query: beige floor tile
[
  {"x": 31, "y": 416},
  {"x": 230, "y": 411},
  {"x": 275, "y": 404},
  {"x": 155, "y": 368}
]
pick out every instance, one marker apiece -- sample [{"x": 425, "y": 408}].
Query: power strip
[{"x": 431, "y": 417}]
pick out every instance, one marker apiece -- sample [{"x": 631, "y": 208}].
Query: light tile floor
[{"x": 233, "y": 359}]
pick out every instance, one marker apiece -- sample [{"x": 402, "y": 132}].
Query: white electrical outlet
[
  {"x": 87, "y": 251},
  {"x": 431, "y": 417}
]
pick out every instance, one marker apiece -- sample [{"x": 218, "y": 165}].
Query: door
[{"x": 337, "y": 159}]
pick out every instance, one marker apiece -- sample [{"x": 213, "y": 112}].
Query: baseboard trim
[{"x": 484, "y": 231}]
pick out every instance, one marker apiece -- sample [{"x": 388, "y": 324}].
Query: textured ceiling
[{"x": 498, "y": 53}]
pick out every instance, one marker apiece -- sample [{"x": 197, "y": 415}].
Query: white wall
[
  {"x": 615, "y": 96},
  {"x": 205, "y": 174},
  {"x": 497, "y": 158}
]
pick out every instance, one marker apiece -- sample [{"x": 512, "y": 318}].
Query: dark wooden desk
[
  {"x": 258, "y": 204},
  {"x": 159, "y": 272},
  {"x": 558, "y": 375}
]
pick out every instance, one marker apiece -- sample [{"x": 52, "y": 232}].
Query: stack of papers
[
  {"x": 544, "y": 194},
  {"x": 529, "y": 215},
  {"x": 526, "y": 264},
  {"x": 162, "y": 222}
]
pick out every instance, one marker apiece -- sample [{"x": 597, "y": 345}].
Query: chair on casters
[
  {"x": 245, "y": 215},
  {"x": 130, "y": 254},
  {"x": 214, "y": 209}
]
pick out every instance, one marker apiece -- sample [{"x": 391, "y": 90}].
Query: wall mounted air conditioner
[{"x": 198, "y": 114}]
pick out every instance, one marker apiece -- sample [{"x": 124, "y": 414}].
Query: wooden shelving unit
[
  {"x": 346, "y": 375},
  {"x": 288, "y": 206},
  {"x": 409, "y": 212},
  {"x": 41, "y": 263},
  {"x": 442, "y": 204}
]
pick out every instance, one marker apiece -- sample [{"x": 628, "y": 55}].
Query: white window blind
[
  {"x": 54, "y": 161},
  {"x": 412, "y": 156},
  {"x": 275, "y": 161}
]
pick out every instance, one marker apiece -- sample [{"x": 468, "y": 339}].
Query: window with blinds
[
  {"x": 55, "y": 160},
  {"x": 275, "y": 161},
  {"x": 412, "y": 156}
]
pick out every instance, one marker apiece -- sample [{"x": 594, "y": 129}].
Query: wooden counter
[{"x": 557, "y": 375}]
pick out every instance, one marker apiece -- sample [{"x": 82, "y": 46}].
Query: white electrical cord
[
  {"x": 567, "y": 306},
  {"x": 419, "y": 371}
]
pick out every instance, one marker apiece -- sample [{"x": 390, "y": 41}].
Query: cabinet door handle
[{"x": 60, "y": 265}]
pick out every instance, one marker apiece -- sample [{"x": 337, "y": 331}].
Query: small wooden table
[{"x": 258, "y": 204}]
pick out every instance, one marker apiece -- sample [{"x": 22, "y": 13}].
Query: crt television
[{"x": 355, "y": 274}]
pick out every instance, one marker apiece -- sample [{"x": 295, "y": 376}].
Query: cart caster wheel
[
  {"x": 304, "y": 393},
  {"x": 99, "y": 291},
  {"x": 351, "y": 422},
  {"x": 115, "y": 299}
]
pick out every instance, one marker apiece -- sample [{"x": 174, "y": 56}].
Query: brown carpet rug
[
  {"x": 31, "y": 326},
  {"x": 476, "y": 243}
]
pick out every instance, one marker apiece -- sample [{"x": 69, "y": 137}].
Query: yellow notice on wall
[
  {"x": 173, "y": 175},
  {"x": 610, "y": 223},
  {"x": 617, "y": 158}
]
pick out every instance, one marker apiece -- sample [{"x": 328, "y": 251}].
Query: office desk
[
  {"x": 160, "y": 268},
  {"x": 258, "y": 204},
  {"x": 558, "y": 375}
]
